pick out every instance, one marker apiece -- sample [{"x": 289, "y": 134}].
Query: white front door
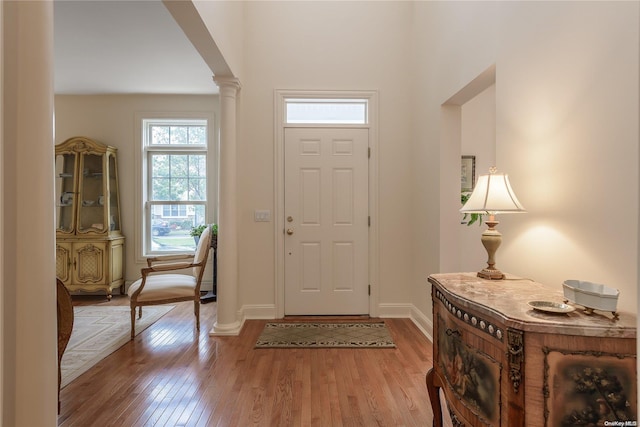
[{"x": 326, "y": 221}]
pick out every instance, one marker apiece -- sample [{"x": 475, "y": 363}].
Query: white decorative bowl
[{"x": 593, "y": 296}]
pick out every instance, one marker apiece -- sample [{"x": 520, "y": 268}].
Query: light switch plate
[{"x": 262, "y": 215}]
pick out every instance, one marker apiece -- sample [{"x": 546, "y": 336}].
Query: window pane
[
  {"x": 347, "y": 111},
  {"x": 197, "y": 165},
  {"x": 174, "y": 211},
  {"x": 170, "y": 233},
  {"x": 160, "y": 165},
  {"x": 159, "y": 135},
  {"x": 197, "y": 135},
  {"x": 178, "y": 177},
  {"x": 198, "y": 189},
  {"x": 179, "y": 166},
  {"x": 179, "y": 134},
  {"x": 161, "y": 189}
]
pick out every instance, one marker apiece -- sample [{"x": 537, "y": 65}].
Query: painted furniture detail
[{"x": 493, "y": 353}]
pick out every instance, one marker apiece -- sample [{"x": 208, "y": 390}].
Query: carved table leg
[{"x": 433, "y": 386}]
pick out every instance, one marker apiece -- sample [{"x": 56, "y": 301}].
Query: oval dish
[{"x": 551, "y": 307}]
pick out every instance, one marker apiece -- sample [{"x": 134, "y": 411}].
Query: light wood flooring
[{"x": 172, "y": 376}]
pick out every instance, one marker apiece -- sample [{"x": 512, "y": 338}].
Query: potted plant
[
  {"x": 473, "y": 217},
  {"x": 196, "y": 231}
]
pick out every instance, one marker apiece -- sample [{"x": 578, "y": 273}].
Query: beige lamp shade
[{"x": 493, "y": 194}]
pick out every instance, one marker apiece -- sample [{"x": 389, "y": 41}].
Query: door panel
[
  {"x": 326, "y": 235},
  {"x": 89, "y": 263}
]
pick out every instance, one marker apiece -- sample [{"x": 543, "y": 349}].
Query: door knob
[{"x": 289, "y": 231}]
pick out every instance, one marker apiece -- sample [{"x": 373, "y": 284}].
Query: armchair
[
  {"x": 65, "y": 325},
  {"x": 164, "y": 288}
]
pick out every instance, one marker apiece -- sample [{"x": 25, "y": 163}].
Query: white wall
[
  {"x": 566, "y": 128},
  {"x": 110, "y": 119}
]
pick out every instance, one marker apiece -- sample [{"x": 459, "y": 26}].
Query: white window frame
[{"x": 143, "y": 205}]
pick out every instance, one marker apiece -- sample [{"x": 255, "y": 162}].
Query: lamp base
[
  {"x": 491, "y": 239},
  {"x": 486, "y": 273}
]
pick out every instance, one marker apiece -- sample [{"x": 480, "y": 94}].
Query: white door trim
[{"x": 279, "y": 226}]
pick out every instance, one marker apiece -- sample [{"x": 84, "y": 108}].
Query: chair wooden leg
[
  {"x": 133, "y": 322},
  {"x": 196, "y": 311},
  {"x": 140, "y": 312}
]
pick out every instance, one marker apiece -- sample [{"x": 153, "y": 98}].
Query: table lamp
[{"x": 492, "y": 195}]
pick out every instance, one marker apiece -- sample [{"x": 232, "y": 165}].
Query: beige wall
[
  {"x": 566, "y": 128},
  {"x": 477, "y": 138},
  {"x": 27, "y": 295},
  {"x": 110, "y": 119},
  {"x": 325, "y": 46},
  {"x": 225, "y": 22},
  {"x": 565, "y": 105}
]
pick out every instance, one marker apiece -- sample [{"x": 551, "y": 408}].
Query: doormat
[{"x": 325, "y": 335}]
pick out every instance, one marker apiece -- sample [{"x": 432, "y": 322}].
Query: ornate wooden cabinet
[
  {"x": 501, "y": 363},
  {"x": 89, "y": 240}
]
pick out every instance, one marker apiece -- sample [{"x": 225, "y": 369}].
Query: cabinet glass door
[
  {"x": 91, "y": 211},
  {"x": 65, "y": 191},
  {"x": 114, "y": 200}
]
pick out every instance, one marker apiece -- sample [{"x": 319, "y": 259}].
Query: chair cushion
[{"x": 165, "y": 286}]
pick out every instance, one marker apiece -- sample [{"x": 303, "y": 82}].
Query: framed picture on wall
[{"x": 468, "y": 173}]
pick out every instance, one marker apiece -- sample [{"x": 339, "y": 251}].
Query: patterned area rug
[
  {"x": 98, "y": 331},
  {"x": 324, "y": 335}
]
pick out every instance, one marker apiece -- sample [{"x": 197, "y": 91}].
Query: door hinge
[
  {"x": 369, "y": 221},
  {"x": 369, "y": 152},
  {"x": 369, "y": 290}
]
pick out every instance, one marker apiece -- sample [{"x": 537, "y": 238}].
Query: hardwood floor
[{"x": 171, "y": 376}]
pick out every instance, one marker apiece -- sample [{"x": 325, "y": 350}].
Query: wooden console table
[{"x": 492, "y": 353}]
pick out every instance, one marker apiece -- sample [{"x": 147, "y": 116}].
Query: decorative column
[
  {"x": 227, "y": 322},
  {"x": 27, "y": 224}
]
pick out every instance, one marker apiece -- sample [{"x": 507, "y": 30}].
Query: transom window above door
[{"x": 326, "y": 111}]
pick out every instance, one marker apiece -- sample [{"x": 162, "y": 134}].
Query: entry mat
[{"x": 325, "y": 335}]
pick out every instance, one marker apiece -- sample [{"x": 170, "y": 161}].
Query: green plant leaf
[
  {"x": 198, "y": 229},
  {"x": 473, "y": 217}
]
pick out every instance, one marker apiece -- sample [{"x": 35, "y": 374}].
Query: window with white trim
[{"x": 174, "y": 182}]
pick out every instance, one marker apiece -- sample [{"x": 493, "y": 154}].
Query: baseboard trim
[
  {"x": 424, "y": 323},
  {"x": 268, "y": 311},
  {"x": 258, "y": 311},
  {"x": 395, "y": 310}
]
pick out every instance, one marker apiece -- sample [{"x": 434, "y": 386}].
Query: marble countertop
[{"x": 508, "y": 299}]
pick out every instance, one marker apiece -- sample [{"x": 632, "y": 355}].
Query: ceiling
[{"x": 124, "y": 47}]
